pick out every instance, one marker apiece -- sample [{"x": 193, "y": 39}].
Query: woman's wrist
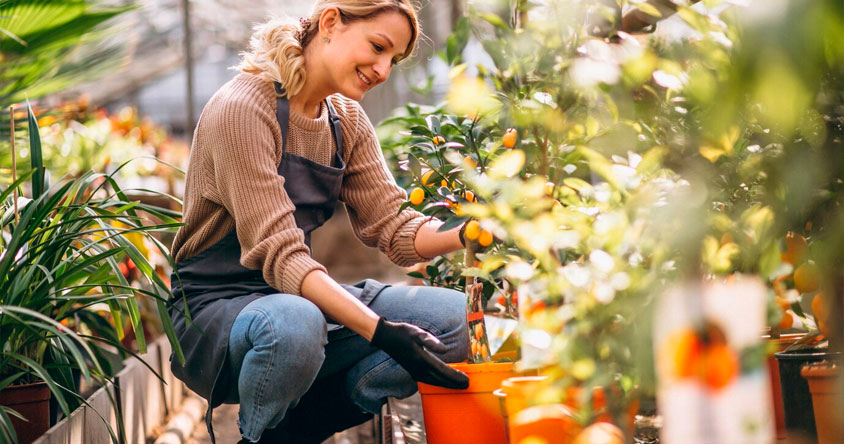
[
  {"x": 430, "y": 242},
  {"x": 339, "y": 304}
]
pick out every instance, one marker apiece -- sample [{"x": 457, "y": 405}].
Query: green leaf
[
  {"x": 649, "y": 9},
  {"x": 36, "y": 160},
  {"x": 494, "y": 20}
]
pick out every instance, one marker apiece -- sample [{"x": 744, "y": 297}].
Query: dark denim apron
[{"x": 216, "y": 287}]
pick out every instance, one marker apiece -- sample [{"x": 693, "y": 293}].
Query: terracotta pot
[
  {"x": 780, "y": 344},
  {"x": 551, "y": 423},
  {"x": 826, "y": 383},
  {"x": 467, "y": 416},
  {"x": 33, "y": 402}
]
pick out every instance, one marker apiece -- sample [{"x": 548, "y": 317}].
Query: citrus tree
[{"x": 605, "y": 167}]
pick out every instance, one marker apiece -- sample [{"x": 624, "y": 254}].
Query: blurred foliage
[
  {"x": 639, "y": 161},
  {"x": 66, "y": 295},
  {"x": 43, "y": 45},
  {"x": 77, "y": 139}
]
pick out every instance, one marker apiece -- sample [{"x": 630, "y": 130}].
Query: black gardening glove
[{"x": 407, "y": 344}]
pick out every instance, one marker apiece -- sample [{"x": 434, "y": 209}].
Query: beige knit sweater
[{"x": 232, "y": 182}]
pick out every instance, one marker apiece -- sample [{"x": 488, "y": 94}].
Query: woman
[{"x": 274, "y": 151}]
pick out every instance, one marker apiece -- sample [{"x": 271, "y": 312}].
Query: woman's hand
[{"x": 409, "y": 345}]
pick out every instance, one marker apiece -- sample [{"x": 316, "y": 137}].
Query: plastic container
[
  {"x": 467, "y": 416},
  {"x": 550, "y": 423},
  {"x": 781, "y": 344},
  {"x": 796, "y": 398}
]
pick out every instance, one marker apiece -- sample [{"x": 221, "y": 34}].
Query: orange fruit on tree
[
  {"x": 719, "y": 366},
  {"x": 806, "y": 277},
  {"x": 549, "y": 188},
  {"x": 469, "y": 195},
  {"x": 427, "y": 177},
  {"x": 473, "y": 230},
  {"x": 819, "y": 307},
  {"x": 444, "y": 183},
  {"x": 485, "y": 238},
  {"x": 796, "y": 248},
  {"x": 417, "y": 196},
  {"x": 509, "y": 139},
  {"x": 787, "y": 320},
  {"x": 470, "y": 162},
  {"x": 438, "y": 140}
]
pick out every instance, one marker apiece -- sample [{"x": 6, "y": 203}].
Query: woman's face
[{"x": 361, "y": 54}]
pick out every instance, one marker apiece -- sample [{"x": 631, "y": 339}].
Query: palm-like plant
[
  {"x": 48, "y": 45},
  {"x": 59, "y": 254}
]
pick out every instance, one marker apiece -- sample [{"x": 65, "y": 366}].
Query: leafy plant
[
  {"x": 635, "y": 164},
  {"x": 59, "y": 255}
]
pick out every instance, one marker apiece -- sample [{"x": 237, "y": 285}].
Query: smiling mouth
[{"x": 363, "y": 77}]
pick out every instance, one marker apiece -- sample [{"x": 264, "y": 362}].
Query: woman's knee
[
  {"x": 448, "y": 309},
  {"x": 290, "y": 324},
  {"x": 447, "y": 316}
]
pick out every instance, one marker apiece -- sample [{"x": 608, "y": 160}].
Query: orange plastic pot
[
  {"x": 549, "y": 423},
  {"x": 826, "y": 382},
  {"x": 518, "y": 390},
  {"x": 467, "y": 416}
]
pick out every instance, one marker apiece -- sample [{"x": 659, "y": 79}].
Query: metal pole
[{"x": 189, "y": 116}]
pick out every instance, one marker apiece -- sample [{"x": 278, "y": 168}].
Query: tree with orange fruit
[{"x": 601, "y": 159}]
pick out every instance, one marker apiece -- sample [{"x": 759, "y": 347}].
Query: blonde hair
[{"x": 276, "y": 52}]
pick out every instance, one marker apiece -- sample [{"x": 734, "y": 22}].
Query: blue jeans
[{"x": 279, "y": 346}]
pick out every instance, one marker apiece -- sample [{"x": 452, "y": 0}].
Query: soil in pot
[
  {"x": 33, "y": 402},
  {"x": 826, "y": 383},
  {"x": 467, "y": 416},
  {"x": 797, "y": 400}
]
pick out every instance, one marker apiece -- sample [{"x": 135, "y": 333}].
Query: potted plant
[{"x": 59, "y": 254}]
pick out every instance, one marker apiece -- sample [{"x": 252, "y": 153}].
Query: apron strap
[
  {"x": 336, "y": 130},
  {"x": 208, "y": 424},
  {"x": 282, "y": 113}
]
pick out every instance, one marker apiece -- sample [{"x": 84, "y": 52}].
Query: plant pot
[
  {"x": 780, "y": 344},
  {"x": 550, "y": 423},
  {"x": 799, "y": 418},
  {"x": 826, "y": 383},
  {"x": 32, "y": 401},
  {"x": 516, "y": 392},
  {"x": 467, "y": 416}
]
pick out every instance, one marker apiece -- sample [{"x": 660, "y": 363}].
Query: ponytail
[{"x": 276, "y": 53}]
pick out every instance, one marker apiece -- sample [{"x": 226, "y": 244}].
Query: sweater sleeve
[
  {"x": 246, "y": 182},
  {"x": 373, "y": 198}
]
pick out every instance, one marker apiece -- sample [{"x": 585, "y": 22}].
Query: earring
[{"x": 326, "y": 40}]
